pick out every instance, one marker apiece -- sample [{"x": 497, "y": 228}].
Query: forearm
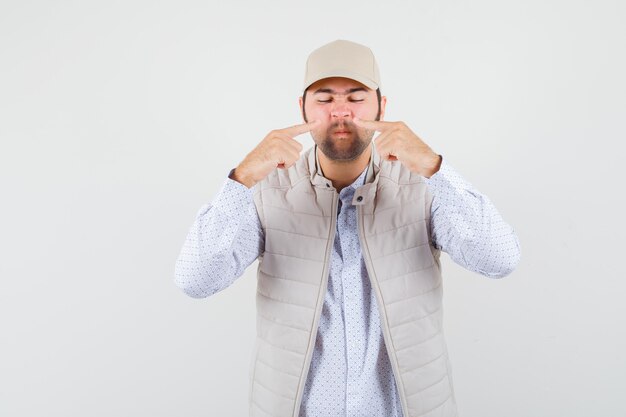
[
  {"x": 223, "y": 240},
  {"x": 467, "y": 226}
]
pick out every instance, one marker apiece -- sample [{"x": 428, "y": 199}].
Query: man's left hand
[{"x": 397, "y": 142}]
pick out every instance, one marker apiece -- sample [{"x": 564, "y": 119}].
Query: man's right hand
[{"x": 278, "y": 149}]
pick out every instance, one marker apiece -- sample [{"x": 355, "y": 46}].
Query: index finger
[
  {"x": 379, "y": 125},
  {"x": 300, "y": 129}
]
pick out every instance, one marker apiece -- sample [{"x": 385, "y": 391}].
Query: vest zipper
[
  {"x": 383, "y": 316},
  {"x": 320, "y": 304}
]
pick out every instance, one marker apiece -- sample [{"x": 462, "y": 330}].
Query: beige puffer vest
[{"x": 298, "y": 211}]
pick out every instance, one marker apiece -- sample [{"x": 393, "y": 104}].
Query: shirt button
[{"x": 359, "y": 198}]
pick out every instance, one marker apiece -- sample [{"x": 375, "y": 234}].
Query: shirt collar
[{"x": 365, "y": 194}]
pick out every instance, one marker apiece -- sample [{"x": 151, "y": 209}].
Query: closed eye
[{"x": 328, "y": 101}]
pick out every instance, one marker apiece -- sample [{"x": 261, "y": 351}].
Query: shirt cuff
[
  {"x": 232, "y": 197},
  {"x": 445, "y": 179}
]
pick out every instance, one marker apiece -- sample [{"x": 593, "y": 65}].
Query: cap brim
[{"x": 346, "y": 74}]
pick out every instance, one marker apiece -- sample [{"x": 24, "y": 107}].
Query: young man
[{"x": 348, "y": 237}]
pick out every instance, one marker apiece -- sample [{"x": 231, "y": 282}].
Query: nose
[{"x": 340, "y": 110}]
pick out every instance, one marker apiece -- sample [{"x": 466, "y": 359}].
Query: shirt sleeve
[
  {"x": 225, "y": 238},
  {"x": 466, "y": 225}
]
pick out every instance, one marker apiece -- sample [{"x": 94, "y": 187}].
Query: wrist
[
  {"x": 241, "y": 176},
  {"x": 434, "y": 166}
]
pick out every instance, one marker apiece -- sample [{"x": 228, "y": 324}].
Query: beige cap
[{"x": 342, "y": 58}]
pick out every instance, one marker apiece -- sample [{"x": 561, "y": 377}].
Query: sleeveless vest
[{"x": 298, "y": 212}]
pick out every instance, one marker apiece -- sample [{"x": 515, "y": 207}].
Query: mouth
[{"x": 341, "y": 129}]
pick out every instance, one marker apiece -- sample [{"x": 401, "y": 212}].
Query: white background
[{"x": 119, "y": 119}]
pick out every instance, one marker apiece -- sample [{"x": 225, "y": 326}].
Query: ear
[
  {"x": 383, "y": 103},
  {"x": 301, "y": 109}
]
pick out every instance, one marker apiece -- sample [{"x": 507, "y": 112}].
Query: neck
[{"x": 343, "y": 173}]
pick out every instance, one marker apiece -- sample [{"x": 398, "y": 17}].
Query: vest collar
[{"x": 364, "y": 193}]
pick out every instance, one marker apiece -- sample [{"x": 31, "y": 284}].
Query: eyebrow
[{"x": 331, "y": 91}]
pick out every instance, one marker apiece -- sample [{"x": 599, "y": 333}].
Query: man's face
[{"x": 335, "y": 102}]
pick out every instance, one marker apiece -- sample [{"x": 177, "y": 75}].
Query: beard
[{"x": 344, "y": 148}]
